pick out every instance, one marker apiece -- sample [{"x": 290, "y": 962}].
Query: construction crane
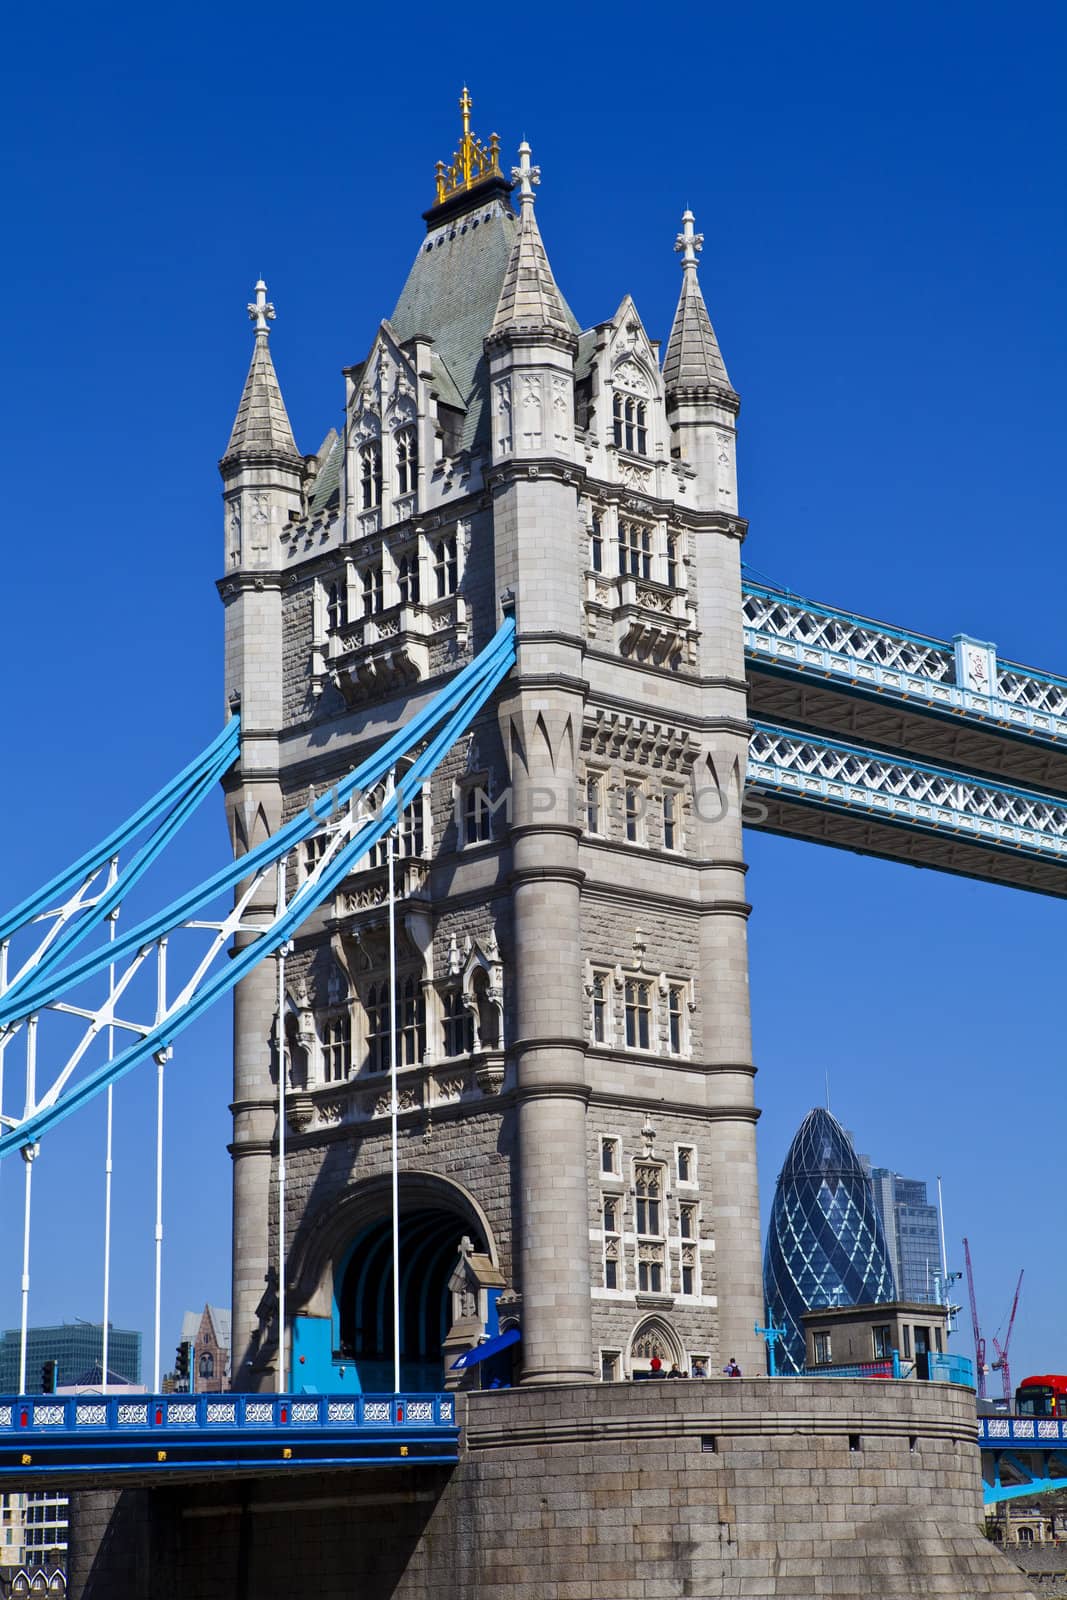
[
  {"x": 980, "y": 1368},
  {"x": 1001, "y": 1363}
]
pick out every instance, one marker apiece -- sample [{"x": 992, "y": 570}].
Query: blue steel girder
[
  {"x": 46, "y": 1439},
  {"x": 827, "y": 791},
  {"x": 348, "y": 820},
  {"x": 954, "y": 703},
  {"x": 1031, "y": 1468}
]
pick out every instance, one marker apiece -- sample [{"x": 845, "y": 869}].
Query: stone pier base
[{"x": 650, "y": 1491}]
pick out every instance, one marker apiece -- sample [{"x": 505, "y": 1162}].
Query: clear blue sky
[{"x": 880, "y": 189}]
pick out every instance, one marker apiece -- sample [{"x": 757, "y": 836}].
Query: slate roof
[
  {"x": 328, "y": 481},
  {"x": 262, "y": 425},
  {"x": 220, "y": 1319},
  {"x": 583, "y": 361},
  {"x": 693, "y": 359},
  {"x": 451, "y": 296},
  {"x": 529, "y": 297}
]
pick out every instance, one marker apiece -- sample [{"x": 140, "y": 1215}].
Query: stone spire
[
  {"x": 693, "y": 359},
  {"x": 529, "y": 299},
  {"x": 262, "y": 426}
]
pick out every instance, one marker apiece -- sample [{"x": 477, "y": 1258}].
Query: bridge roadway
[
  {"x": 1022, "y": 1456},
  {"x": 72, "y": 1439},
  {"x": 891, "y": 743},
  {"x": 80, "y": 1438}
]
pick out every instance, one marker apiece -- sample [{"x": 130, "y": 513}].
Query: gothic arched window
[
  {"x": 407, "y": 460},
  {"x": 446, "y": 566},
  {"x": 635, "y": 550},
  {"x": 407, "y": 577},
  {"x": 458, "y": 1025},
  {"x": 630, "y": 421},
  {"x": 413, "y": 828},
  {"x": 638, "y": 1014},
  {"x": 672, "y": 561},
  {"x": 373, "y": 589},
  {"x": 596, "y": 543},
  {"x": 337, "y": 1048},
  {"x": 411, "y": 1041},
  {"x": 411, "y": 1024},
  {"x": 337, "y": 605},
  {"x": 207, "y": 1365},
  {"x": 648, "y": 1225},
  {"x": 370, "y": 475},
  {"x": 378, "y": 1027}
]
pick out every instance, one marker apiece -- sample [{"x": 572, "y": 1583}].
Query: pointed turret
[
  {"x": 693, "y": 359},
  {"x": 262, "y": 425},
  {"x": 529, "y": 298},
  {"x": 262, "y": 470},
  {"x": 702, "y": 406}
]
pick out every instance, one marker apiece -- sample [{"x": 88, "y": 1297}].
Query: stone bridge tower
[{"x": 577, "y": 1121}]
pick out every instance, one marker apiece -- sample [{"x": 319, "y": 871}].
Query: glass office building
[
  {"x": 825, "y": 1244},
  {"x": 76, "y": 1347},
  {"x": 912, "y": 1233}
]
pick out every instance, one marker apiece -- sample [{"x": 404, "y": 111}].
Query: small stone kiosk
[{"x": 868, "y": 1335}]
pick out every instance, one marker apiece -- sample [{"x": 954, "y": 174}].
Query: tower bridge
[{"x": 487, "y": 648}]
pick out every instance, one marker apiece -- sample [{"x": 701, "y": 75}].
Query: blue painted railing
[
  {"x": 940, "y": 1369},
  {"x": 859, "y": 1369},
  {"x": 952, "y": 1369},
  {"x": 87, "y": 1414},
  {"x": 1044, "y": 1433},
  {"x": 45, "y": 1438}
]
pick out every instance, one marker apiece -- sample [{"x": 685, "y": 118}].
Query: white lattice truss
[
  {"x": 847, "y": 778},
  {"x": 792, "y": 634}
]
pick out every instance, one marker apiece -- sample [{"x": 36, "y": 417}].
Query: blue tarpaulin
[{"x": 482, "y": 1352}]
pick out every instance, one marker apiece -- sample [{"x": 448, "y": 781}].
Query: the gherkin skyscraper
[{"x": 825, "y": 1244}]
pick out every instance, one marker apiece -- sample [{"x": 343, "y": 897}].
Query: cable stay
[
  {"x": 346, "y": 822},
  {"x": 68, "y": 901}
]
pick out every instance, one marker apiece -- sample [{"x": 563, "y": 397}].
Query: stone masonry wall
[{"x": 785, "y": 1489}]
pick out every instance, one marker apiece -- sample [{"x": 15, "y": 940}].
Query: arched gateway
[{"x": 449, "y": 1283}]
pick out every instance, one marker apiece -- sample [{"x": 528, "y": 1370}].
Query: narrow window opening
[
  {"x": 596, "y": 544},
  {"x": 600, "y": 1008},
  {"x": 638, "y": 998},
  {"x": 632, "y": 812},
  {"x": 370, "y": 476},
  {"x": 373, "y": 590},
  {"x": 446, "y": 566},
  {"x": 408, "y": 580},
  {"x": 672, "y": 560},
  {"x": 407, "y": 460}
]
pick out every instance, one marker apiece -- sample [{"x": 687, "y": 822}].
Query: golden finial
[{"x": 472, "y": 162}]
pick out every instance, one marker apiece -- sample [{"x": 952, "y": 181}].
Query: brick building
[{"x": 208, "y": 1333}]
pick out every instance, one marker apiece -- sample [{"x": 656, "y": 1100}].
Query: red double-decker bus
[{"x": 1044, "y": 1396}]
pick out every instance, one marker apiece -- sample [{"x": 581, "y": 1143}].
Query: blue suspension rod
[
  {"x": 77, "y": 929},
  {"x": 500, "y": 656},
  {"x": 488, "y": 667},
  {"x": 223, "y": 748}
]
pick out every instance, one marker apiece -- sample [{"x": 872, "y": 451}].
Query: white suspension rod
[
  {"x": 281, "y": 1378},
  {"x": 4, "y": 1037},
  {"x": 106, "y": 1340},
  {"x": 393, "y": 1099},
  {"x": 161, "y": 999},
  {"x": 28, "y": 1153}
]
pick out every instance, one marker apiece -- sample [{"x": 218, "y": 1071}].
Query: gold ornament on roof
[{"x": 472, "y": 162}]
